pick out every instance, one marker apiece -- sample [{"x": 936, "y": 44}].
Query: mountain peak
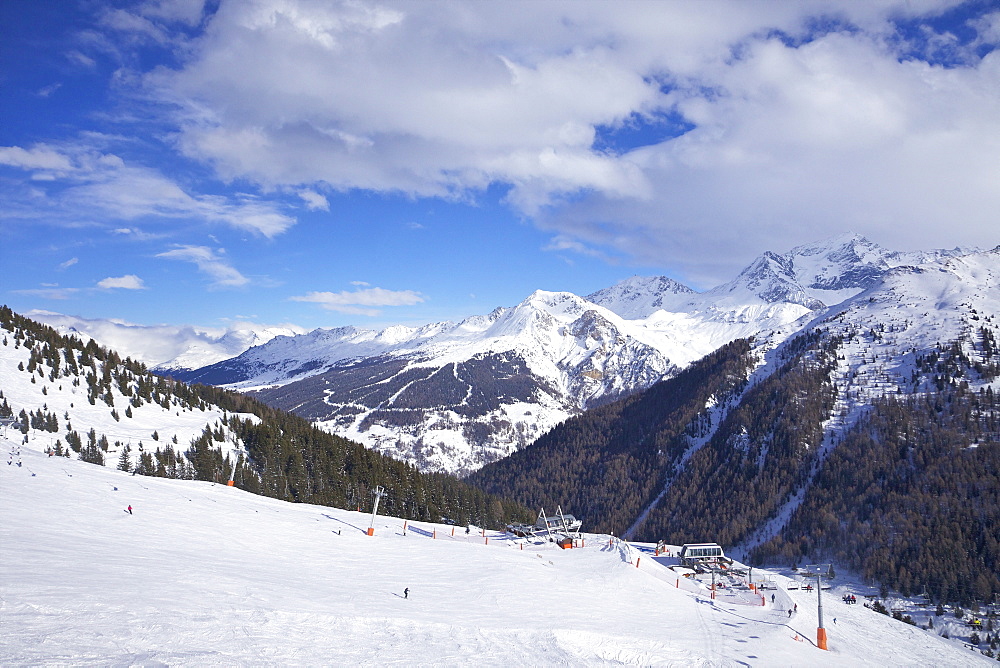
[
  {"x": 771, "y": 280},
  {"x": 641, "y": 296}
]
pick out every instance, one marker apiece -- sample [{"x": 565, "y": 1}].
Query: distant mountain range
[
  {"x": 455, "y": 396},
  {"x": 166, "y": 347}
]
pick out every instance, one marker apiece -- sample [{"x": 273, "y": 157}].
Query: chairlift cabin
[{"x": 703, "y": 554}]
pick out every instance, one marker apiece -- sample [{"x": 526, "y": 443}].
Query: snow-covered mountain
[
  {"x": 79, "y": 401},
  {"x": 641, "y": 296},
  {"x": 453, "y": 396},
  {"x": 166, "y": 347}
]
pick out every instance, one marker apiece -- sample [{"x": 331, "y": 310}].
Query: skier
[
  {"x": 129, "y": 510},
  {"x": 406, "y": 593},
  {"x": 789, "y": 613},
  {"x": 796, "y": 608},
  {"x": 772, "y": 598}
]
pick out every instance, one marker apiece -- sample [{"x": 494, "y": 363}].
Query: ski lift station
[
  {"x": 703, "y": 554},
  {"x": 560, "y": 522},
  {"x": 549, "y": 525}
]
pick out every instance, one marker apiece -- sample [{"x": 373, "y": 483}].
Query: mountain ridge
[{"x": 634, "y": 334}]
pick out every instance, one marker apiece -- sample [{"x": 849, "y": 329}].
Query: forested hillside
[
  {"x": 760, "y": 455},
  {"x": 911, "y": 497},
  {"x": 84, "y": 401},
  {"x": 609, "y": 463}
]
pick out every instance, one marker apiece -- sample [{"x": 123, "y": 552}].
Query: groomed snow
[{"x": 203, "y": 574}]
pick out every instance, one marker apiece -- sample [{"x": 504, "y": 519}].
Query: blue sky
[{"x": 326, "y": 163}]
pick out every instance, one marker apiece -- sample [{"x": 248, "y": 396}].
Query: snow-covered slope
[
  {"x": 205, "y": 575},
  {"x": 909, "y": 314},
  {"x": 166, "y": 347},
  {"x": 134, "y": 412}
]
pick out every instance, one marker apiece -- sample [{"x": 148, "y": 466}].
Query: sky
[{"x": 324, "y": 163}]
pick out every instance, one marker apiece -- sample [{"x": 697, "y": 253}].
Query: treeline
[
  {"x": 607, "y": 464},
  {"x": 293, "y": 460},
  {"x": 287, "y": 457}
]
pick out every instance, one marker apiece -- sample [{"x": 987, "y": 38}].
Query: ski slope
[{"x": 203, "y": 574}]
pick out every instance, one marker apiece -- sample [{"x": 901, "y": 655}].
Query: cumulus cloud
[
  {"x": 360, "y": 302},
  {"x": 210, "y": 263},
  {"x": 787, "y": 129},
  {"x": 126, "y": 282}
]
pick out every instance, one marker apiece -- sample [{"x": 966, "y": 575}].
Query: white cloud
[
  {"x": 184, "y": 11},
  {"x": 38, "y": 157},
  {"x": 564, "y": 243},
  {"x": 138, "y": 26},
  {"x": 791, "y": 137},
  {"x": 47, "y": 91},
  {"x": 104, "y": 183},
  {"x": 359, "y": 302},
  {"x": 208, "y": 262},
  {"x": 796, "y": 141},
  {"x": 81, "y": 59},
  {"x": 314, "y": 201},
  {"x": 49, "y": 292},
  {"x": 69, "y": 263},
  {"x": 126, "y": 282}
]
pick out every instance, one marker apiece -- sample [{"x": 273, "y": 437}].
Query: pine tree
[{"x": 124, "y": 461}]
